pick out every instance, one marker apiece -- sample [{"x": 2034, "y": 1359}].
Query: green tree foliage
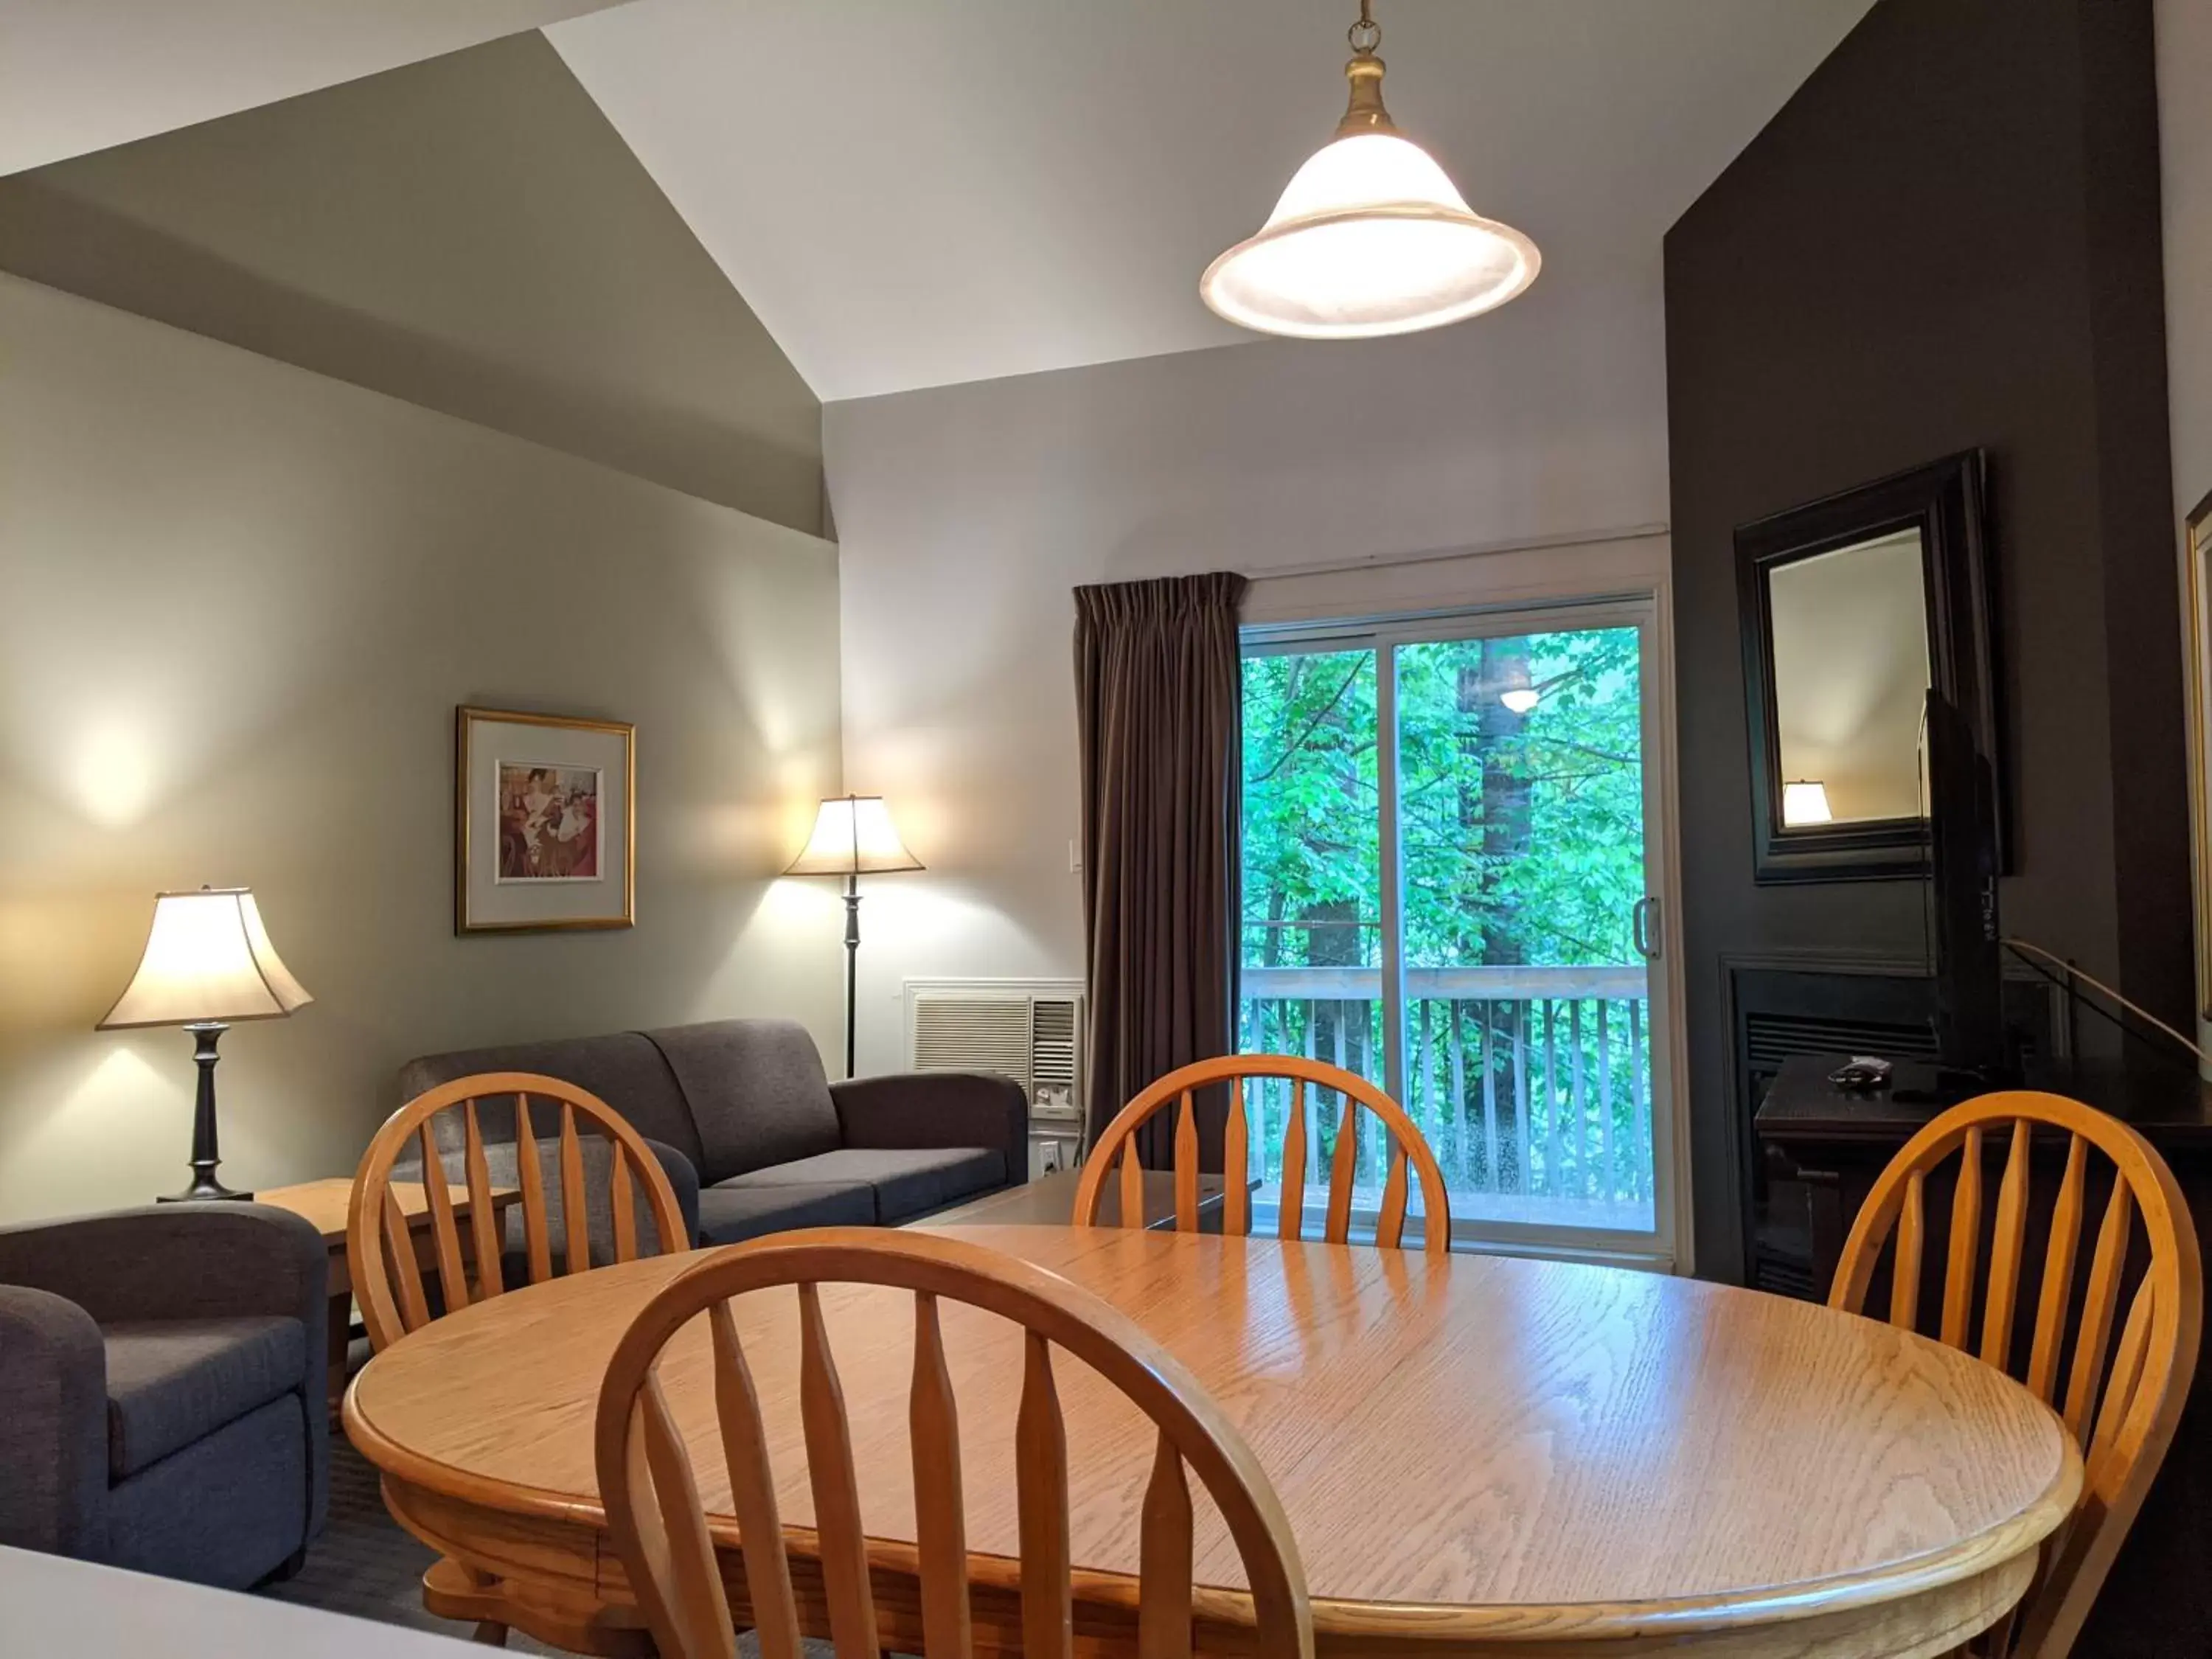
[
  {"x": 1522, "y": 834},
  {"x": 1312, "y": 840}
]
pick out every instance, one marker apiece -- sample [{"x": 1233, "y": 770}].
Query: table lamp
[
  {"x": 1805, "y": 800},
  {"x": 208, "y": 961},
  {"x": 854, "y": 835}
]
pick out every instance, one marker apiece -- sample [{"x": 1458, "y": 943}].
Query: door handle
[{"x": 1639, "y": 921}]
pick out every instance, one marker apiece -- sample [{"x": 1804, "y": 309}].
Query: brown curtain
[{"x": 1157, "y": 676}]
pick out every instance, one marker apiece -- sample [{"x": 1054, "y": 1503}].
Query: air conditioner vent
[
  {"x": 973, "y": 1033},
  {"x": 1031, "y": 1030}
]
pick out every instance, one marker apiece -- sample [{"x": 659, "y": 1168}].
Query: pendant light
[{"x": 1370, "y": 238}]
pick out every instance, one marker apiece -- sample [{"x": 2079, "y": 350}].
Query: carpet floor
[{"x": 365, "y": 1565}]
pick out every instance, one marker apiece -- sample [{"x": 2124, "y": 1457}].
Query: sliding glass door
[{"x": 1448, "y": 828}]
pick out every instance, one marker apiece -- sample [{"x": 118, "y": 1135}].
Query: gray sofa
[
  {"x": 161, "y": 1404},
  {"x": 756, "y": 1139}
]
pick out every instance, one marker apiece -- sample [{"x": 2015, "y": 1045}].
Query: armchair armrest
[
  {"x": 908, "y": 1110},
  {"x": 175, "y": 1262},
  {"x": 53, "y": 1425}
]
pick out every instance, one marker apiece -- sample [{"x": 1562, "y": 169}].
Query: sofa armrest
[
  {"x": 176, "y": 1261},
  {"x": 910, "y": 1110},
  {"x": 684, "y": 1179},
  {"x": 53, "y": 1425}
]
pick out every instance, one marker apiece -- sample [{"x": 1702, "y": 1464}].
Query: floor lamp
[{"x": 853, "y": 836}]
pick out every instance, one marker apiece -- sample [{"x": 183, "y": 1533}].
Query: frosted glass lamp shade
[
  {"x": 1805, "y": 802},
  {"x": 854, "y": 835},
  {"x": 1370, "y": 238},
  {"x": 207, "y": 960},
  {"x": 1521, "y": 699}
]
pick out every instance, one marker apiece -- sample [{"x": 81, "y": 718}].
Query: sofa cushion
[
  {"x": 624, "y": 1070},
  {"x": 908, "y": 1181},
  {"x": 757, "y": 1092},
  {"x": 173, "y": 1382},
  {"x": 731, "y": 1214}
]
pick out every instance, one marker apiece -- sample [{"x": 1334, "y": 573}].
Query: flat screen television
[{"x": 1970, "y": 1030}]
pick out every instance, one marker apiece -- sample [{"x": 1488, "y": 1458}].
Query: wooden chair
[
  {"x": 391, "y": 1286},
  {"x": 669, "y": 1545},
  {"x": 2120, "y": 1406},
  {"x": 1407, "y": 1149}
]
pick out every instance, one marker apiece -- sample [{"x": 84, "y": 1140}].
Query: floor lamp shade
[
  {"x": 853, "y": 836},
  {"x": 208, "y": 963}
]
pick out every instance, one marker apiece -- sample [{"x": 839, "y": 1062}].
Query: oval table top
[{"x": 1471, "y": 1450}]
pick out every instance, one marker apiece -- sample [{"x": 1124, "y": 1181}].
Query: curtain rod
[{"x": 1439, "y": 555}]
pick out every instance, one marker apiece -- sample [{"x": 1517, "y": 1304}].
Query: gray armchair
[{"x": 162, "y": 1403}]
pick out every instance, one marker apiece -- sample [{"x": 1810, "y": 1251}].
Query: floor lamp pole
[{"x": 852, "y": 959}]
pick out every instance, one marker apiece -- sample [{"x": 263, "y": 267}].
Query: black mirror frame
[{"x": 1946, "y": 501}]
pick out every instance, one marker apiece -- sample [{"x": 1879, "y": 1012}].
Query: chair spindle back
[
  {"x": 389, "y": 1280},
  {"x": 1116, "y": 1146},
  {"x": 669, "y": 1547},
  {"x": 2120, "y": 1405}
]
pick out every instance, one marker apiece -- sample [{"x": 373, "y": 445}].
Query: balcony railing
[{"x": 1533, "y": 1085}]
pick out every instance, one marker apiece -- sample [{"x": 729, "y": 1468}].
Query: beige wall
[{"x": 238, "y": 604}]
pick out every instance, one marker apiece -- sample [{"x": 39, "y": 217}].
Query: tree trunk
[
  {"x": 1495, "y": 806},
  {"x": 1506, "y": 828}
]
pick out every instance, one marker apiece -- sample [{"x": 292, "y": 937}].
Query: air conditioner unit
[{"x": 1031, "y": 1030}]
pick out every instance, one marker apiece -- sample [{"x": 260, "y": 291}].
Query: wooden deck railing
[{"x": 1532, "y": 1083}]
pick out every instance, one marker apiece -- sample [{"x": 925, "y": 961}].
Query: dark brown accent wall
[{"x": 1950, "y": 238}]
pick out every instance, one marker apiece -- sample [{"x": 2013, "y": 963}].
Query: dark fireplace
[{"x": 1832, "y": 1008}]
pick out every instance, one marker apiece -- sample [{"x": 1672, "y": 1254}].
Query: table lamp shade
[
  {"x": 207, "y": 959},
  {"x": 1805, "y": 801},
  {"x": 854, "y": 835}
]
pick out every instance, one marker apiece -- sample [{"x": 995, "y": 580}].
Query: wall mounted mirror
[{"x": 1853, "y": 607}]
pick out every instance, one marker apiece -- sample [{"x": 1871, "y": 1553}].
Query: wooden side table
[{"x": 324, "y": 1204}]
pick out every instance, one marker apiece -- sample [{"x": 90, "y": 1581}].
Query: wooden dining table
[{"x": 1478, "y": 1454}]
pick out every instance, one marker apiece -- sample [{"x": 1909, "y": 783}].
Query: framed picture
[
  {"x": 2196, "y": 602},
  {"x": 545, "y": 820}
]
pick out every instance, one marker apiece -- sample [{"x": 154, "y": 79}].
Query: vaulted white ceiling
[
  {"x": 78, "y": 75},
  {"x": 922, "y": 192},
  {"x": 917, "y": 192}
]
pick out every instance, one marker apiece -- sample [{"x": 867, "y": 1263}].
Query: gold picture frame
[
  {"x": 2196, "y": 623},
  {"x": 544, "y": 822}
]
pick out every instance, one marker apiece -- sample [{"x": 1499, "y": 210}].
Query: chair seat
[
  {"x": 730, "y": 1214},
  {"x": 908, "y": 1181},
  {"x": 173, "y": 1382}
]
